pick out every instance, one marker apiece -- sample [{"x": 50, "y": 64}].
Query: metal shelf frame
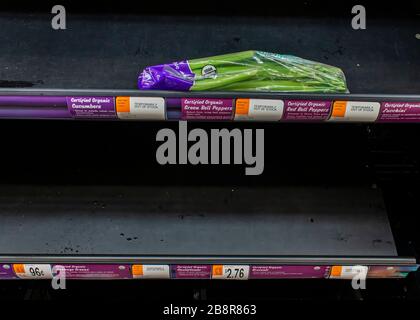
[
  {"x": 269, "y": 260},
  {"x": 208, "y": 94}
]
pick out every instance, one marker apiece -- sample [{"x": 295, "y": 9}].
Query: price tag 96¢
[{"x": 33, "y": 271}]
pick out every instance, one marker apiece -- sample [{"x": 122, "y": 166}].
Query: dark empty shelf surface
[{"x": 194, "y": 222}]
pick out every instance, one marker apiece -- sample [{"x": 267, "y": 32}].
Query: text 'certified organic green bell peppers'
[{"x": 245, "y": 71}]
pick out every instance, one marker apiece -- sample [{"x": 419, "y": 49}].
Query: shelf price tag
[
  {"x": 149, "y": 271},
  {"x": 349, "y": 272},
  {"x": 355, "y": 111},
  {"x": 33, "y": 271},
  {"x": 259, "y": 110},
  {"x": 230, "y": 272},
  {"x": 140, "y": 108}
]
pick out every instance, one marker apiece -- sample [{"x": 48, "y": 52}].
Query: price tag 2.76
[
  {"x": 33, "y": 271},
  {"x": 230, "y": 272}
]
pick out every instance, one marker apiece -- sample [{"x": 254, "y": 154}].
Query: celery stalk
[
  {"x": 211, "y": 84},
  {"x": 221, "y": 59},
  {"x": 248, "y": 71}
]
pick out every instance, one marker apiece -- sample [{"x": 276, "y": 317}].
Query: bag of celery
[{"x": 245, "y": 71}]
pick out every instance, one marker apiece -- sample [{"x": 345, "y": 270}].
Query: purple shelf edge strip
[{"x": 33, "y": 101}]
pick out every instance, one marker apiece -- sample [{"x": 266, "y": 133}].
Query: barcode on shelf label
[
  {"x": 355, "y": 111},
  {"x": 140, "y": 108},
  {"x": 149, "y": 271},
  {"x": 230, "y": 272},
  {"x": 259, "y": 109},
  {"x": 33, "y": 271},
  {"x": 349, "y": 272}
]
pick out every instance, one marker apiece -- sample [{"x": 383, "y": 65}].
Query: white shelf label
[
  {"x": 33, "y": 271},
  {"x": 349, "y": 272},
  {"x": 259, "y": 109},
  {"x": 150, "y": 271},
  {"x": 140, "y": 108},
  {"x": 230, "y": 272},
  {"x": 355, "y": 111}
]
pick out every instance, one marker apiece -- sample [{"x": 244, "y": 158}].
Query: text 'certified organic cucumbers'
[{"x": 245, "y": 71}]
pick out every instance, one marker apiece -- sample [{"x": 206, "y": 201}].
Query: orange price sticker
[
  {"x": 242, "y": 106},
  {"x": 217, "y": 270},
  {"x": 123, "y": 104},
  {"x": 138, "y": 270},
  {"x": 19, "y": 268},
  {"x": 339, "y": 109}
]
